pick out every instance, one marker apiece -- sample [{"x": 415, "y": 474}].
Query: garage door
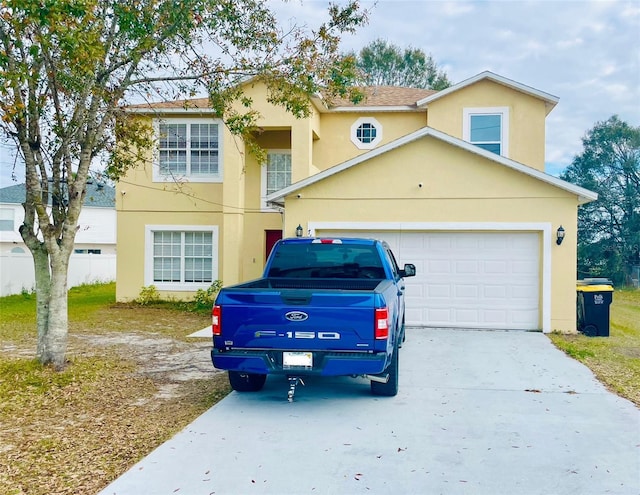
[{"x": 468, "y": 279}]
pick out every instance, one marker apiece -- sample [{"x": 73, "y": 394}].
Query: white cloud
[
  {"x": 569, "y": 43},
  {"x": 454, "y": 9}
]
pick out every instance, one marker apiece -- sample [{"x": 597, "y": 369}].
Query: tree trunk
[
  {"x": 43, "y": 291},
  {"x": 52, "y": 317}
]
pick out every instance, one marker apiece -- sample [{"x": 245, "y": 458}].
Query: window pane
[
  {"x": 188, "y": 149},
  {"x": 173, "y": 136},
  {"x": 6, "y": 219},
  {"x": 278, "y": 171},
  {"x": 366, "y": 133},
  {"x": 204, "y": 149},
  {"x": 493, "y": 147},
  {"x": 166, "y": 256},
  {"x": 198, "y": 256},
  {"x": 486, "y": 128},
  {"x": 173, "y": 162}
]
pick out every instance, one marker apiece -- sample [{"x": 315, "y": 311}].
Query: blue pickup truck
[{"x": 327, "y": 307}]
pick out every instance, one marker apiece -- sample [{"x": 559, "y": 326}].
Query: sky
[{"x": 587, "y": 53}]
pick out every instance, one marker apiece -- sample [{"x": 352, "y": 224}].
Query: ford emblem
[{"x": 296, "y": 316}]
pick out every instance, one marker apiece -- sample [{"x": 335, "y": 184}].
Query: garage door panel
[
  {"x": 440, "y": 267},
  {"x": 440, "y": 290},
  {"x": 524, "y": 292},
  {"x": 495, "y": 318},
  {"x": 468, "y": 279},
  {"x": 498, "y": 292},
  {"x": 523, "y": 317},
  {"x": 437, "y": 317},
  {"x": 467, "y": 267},
  {"x": 525, "y": 267},
  {"x": 495, "y": 268},
  {"x": 466, "y": 291}
]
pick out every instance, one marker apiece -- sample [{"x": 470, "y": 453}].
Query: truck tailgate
[{"x": 298, "y": 319}]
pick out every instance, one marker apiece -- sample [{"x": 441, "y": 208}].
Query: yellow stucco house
[{"x": 453, "y": 180}]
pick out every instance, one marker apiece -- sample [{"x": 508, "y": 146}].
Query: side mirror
[{"x": 409, "y": 270}]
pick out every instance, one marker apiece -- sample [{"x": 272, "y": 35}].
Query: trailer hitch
[{"x": 293, "y": 383}]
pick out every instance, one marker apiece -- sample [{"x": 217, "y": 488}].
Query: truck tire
[
  {"x": 246, "y": 382},
  {"x": 389, "y": 389}
]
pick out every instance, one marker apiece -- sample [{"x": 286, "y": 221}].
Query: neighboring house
[
  {"x": 94, "y": 256},
  {"x": 454, "y": 180}
]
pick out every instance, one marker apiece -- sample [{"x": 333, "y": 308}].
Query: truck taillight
[
  {"x": 216, "y": 320},
  {"x": 381, "y": 330}
]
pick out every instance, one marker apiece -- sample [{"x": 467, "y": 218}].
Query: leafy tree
[
  {"x": 67, "y": 67},
  {"x": 609, "y": 228},
  {"x": 383, "y": 63}
]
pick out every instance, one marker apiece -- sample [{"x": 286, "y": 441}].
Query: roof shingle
[{"x": 99, "y": 194}]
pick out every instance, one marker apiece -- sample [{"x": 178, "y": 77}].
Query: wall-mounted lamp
[
  {"x": 559, "y": 235},
  {"x": 299, "y": 231}
]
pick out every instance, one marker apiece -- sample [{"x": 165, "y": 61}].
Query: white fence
[{"x": 17, "y": 273}]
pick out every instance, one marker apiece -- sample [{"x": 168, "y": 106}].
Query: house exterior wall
[
  {"x": 335, "y": 145},
  {"x": 526, "y": 118},
  {"x": 489, "y": 195},
  {"x": 140, "y": 202},
  {"x": 461, "y": 190}
]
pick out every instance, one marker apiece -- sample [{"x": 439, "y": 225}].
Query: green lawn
[{"x": 615, "y": 360}]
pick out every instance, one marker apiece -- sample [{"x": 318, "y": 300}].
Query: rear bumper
[{"x": 268, "y": 362}]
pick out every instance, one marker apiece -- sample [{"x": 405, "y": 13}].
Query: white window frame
[
  {"x": 214, "y": 178},
  {"x": 354, "y": 133},
  {"x": 8, "y": 215},
  {"x": 263, "y": 179},
  {"x": 179, "y": 286},
  {"x": 504, "y": 125}
]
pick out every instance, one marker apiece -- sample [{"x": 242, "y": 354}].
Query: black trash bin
[{"x": 594, "y": 298}]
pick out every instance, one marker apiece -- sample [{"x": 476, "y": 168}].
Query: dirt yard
[{"x": 134, "y": 379}]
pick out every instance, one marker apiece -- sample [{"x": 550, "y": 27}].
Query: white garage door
[{"x": 468, "y": 279}]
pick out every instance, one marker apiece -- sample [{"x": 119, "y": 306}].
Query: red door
[{"x": 272, "y": 236}]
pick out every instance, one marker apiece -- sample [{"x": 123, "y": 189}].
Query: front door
[{"x": 271, "y": 237}]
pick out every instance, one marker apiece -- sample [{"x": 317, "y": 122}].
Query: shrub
[
  {"x": 204, "y": 298},
  {"x": 148, "y": 295}
]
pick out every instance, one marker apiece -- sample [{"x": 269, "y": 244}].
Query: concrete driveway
[{"x": 477, "y": 413}]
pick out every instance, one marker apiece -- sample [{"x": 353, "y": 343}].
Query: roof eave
[
  {"x": 550, "y": 100},
  {"x": 584, "y": 195}
]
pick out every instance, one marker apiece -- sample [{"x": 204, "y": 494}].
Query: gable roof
[
  {"x": 99, "y": 195},
  {"x": 378, "y": 98},
  {"x": 549, "y": 100},
  {"x": 584, "y": 195}
]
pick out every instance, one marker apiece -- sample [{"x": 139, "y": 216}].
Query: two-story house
[{"x": 454, "y": 180}]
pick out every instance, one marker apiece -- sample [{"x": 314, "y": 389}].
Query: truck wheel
[
  {"x": 389, "y": 389},
  {"x": 246, "y": 382}
]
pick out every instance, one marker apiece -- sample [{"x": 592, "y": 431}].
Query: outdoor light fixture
[
  {"x": 299, "y": 231},
  {"x": 559, "y": 235}
]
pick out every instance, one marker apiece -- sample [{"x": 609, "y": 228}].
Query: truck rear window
[{"x": 326, "y": 261}]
